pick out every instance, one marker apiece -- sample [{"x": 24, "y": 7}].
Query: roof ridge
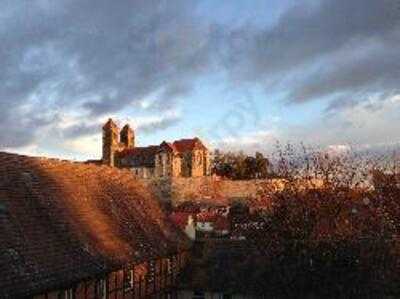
[{"x": 58, "y": 161}]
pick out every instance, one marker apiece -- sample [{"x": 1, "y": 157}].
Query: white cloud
[
  {"x": 30, "y": 150},
  {"x": 262, "y": 140},
  {"x": 86, "y": 145}
]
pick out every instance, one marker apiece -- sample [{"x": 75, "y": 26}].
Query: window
[
  {"x": 198, "y": 295},
  {"x": 129, "y": 280},
  {"x": 67, "y": 294},
  {"x": 101, "y": 289}
]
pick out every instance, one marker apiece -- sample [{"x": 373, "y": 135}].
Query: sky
[{"x": 241, "y": 75}]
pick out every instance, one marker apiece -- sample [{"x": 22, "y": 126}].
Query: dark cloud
[
  {"x": 96, "y": 58},
  {"x": 366, "y": 71},
  {"x": 19, "y": 129},
  {"x": 340, "y": 103},
  {"x": 324, "y": 49},
  {"x": 149, "y": 125},
  {"x": 82, "y": 129},
  {"x": 160, "y": 124}
]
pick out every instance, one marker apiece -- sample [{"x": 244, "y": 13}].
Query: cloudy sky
[{"x": 239, "y": 74}]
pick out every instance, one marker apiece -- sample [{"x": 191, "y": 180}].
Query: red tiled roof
[
  {"x": 180, "y": 219},
  {"x": 189, "y": 207},
  {"x": 185, "y": 145},
  {"x": 206, "y": 217},
  {"x": 62, "y": 222}
]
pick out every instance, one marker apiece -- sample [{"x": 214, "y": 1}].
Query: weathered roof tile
[{"x": 69, "y": 221}]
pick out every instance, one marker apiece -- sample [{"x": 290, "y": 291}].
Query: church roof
[
  {"x": 139, "y": 156},
  {"x": 168, "y": 145},
  {"x": 185, "y": 145},
  {"x": 146, "y": 156},
  {"x": 62, "y": 222}
]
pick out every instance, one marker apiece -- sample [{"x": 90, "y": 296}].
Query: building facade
[{"x": 182, "y": 158}]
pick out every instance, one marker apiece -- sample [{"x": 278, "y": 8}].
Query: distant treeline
[{"x": 238, "y": 166}]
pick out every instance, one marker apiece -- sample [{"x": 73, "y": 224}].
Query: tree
[
  {"x": 262, "y": 166},
  {"x": 238, "y": 166}
]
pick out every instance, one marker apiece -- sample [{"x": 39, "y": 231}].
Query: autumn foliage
[{"x": 339, "y": 238}]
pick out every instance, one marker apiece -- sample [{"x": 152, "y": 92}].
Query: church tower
[
  {"x": 110, "y": 142},
  {"x": 128, "y": 137}
]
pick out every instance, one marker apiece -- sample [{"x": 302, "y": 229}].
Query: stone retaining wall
[{"x": 205, "y": 189}]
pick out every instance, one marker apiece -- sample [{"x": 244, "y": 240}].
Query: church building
[{"x": 181, "y": 158}]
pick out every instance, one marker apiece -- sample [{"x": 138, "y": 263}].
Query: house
[
  {"x": 205, "y": 222},
  {"x": 185, "y": 222},
  {"x": 212, "y": 223},
  {"x": 222, "y": 226},
  {"x": 75, "y": 230},
  {"x": 181, "y": 158}
]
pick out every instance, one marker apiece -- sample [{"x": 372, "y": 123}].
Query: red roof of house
[
  {"x": 188, "y": 207},
  {"x": 180, "y": 219},
  {"x": 62, "y": 222},
  {"x": 206, "y": 217}
]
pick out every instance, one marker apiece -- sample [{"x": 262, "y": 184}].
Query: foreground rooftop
[{"x": 62, "y": 222}]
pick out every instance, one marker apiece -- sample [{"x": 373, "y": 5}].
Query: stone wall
[{"x": 205, "y": 189}]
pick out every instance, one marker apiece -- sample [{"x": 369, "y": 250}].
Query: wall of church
[
  {"x": 197, "y": 163},
  {"x": 176, "y": 166},
  {"x": 200, "y": 163},
  {"x": 186, "y": 165},
  {"x": 164, "y": 164}
]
